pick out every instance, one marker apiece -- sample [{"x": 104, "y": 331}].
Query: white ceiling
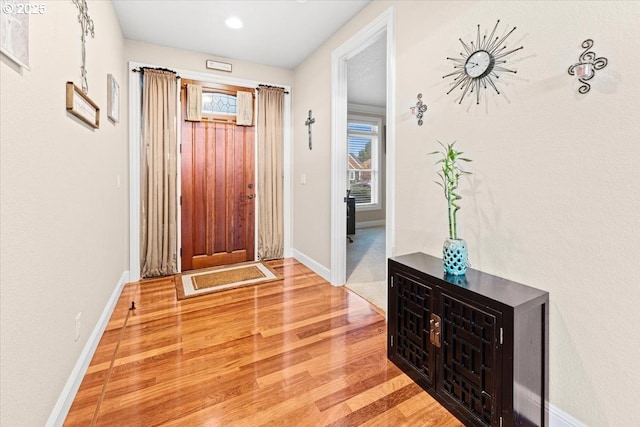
[
  {"x": 276, "y": 32},
  {"x": 367, "y": 75}
]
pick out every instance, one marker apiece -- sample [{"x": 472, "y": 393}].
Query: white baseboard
[
  {"x": 316, "y": 267},
  {"x": 61, "y": 409},
  {"x": 288, "y": 252},
  {"x": 367, "y": 224},
  {"x": 559, "y": 418}
]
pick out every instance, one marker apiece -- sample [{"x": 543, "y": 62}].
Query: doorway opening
[
  {"x": 366, "y": 225},
  {"x": 380, "y": 32},
  {"x": 217, "y": 178}
]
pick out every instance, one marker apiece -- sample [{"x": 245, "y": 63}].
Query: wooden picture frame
[
  {"x": 113, "y": 99},
  {"x": 217, "y": 65},
  {"x": 81, "y": 106}
]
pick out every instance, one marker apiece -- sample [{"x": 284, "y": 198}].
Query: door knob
[{"x": 250, "y": 196}]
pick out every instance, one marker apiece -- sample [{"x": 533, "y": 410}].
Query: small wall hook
[{"x": 419, "y": 109}]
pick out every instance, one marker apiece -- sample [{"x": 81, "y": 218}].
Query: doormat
[{"x": 206, "y": 281}]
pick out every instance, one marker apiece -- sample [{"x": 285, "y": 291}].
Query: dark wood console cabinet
[{"x": 477, "y": 343}]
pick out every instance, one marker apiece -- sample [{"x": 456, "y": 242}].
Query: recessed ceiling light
[{"x": 233, "y": 22}]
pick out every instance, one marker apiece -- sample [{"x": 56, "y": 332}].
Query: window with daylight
[
  {"x": 220, "y": 102},
  {"x": 363, "y": 140},
  {"x": 215, "y": 103}
]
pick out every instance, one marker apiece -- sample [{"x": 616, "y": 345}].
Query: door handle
[{"x": 250, "y": 196}]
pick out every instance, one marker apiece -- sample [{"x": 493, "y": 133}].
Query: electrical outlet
[{"x": 78, "y": 326}]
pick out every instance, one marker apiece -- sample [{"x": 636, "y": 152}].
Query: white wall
[
  {"x": 64, "y": 242},
  {"x": 553, "y": 200},
  {"x": 195, "y": 61}
]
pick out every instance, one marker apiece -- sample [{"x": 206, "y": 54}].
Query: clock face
[
  {"x": 478, "y": 64},
  {"x": 481, "y": 64}
]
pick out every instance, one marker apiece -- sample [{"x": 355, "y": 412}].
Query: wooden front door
[{"x": 218, "y": 194}]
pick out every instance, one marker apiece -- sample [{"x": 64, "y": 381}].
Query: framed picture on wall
[
  {"x": 14, "y": 30},
  {"x": 113, "y": 99},
  {"x": 81, "y": 106}
]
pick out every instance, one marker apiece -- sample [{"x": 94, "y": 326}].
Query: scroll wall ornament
[
  {"x": 86, "y": 24},
  {"x": 419, "y": 109},
  {"x": 585, "y": 68},
  {"x": 481, "y": 64}
]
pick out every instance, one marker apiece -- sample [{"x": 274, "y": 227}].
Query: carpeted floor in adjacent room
[{"x": 366, "y": 265}]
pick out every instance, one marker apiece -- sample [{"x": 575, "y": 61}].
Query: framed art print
[
  {"x": 14, "y": 30},
  {"x": 113, "y": 99},
  {"x": 80, "y": 105}
]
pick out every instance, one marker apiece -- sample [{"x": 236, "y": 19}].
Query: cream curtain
[
  {"x": 244, "y": 116},
  {"x": 158, "y": 239},
  {"x": 270, "y": 173},
  {"x": 194, "y": 102}
]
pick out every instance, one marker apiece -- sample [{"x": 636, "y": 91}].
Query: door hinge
[
  {"x": 392, "y": 281},
  {"x": 391, "y": 340},
  {"x": 501, "y": 335},
  {"x": 180, "y": 200},
  {"x": 180, "y": 148},
  {"x": 180, "y": 251}
]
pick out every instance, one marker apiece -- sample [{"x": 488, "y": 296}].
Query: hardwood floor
[{"x": 294, "y": 352}]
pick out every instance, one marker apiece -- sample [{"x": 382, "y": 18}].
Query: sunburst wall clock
[{"x": 481, "y": 64}]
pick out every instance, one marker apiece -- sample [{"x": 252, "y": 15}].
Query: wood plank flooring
[{"x": 294, "y": 352}]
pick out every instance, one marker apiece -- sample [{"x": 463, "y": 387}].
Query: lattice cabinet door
[
  {"x": 469, "y": 372},
  {"x": 412, "y": 304},
  {"x": 472, "y": 342}
]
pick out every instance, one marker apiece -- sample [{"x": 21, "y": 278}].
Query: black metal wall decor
[
  {"x": 308, "y": 123},
  {"x": 481, "y": 64},
  {"x": 86, "y": 25},
  {"x": 419, "y": 109},
  {"x": 585, "y": 68}
]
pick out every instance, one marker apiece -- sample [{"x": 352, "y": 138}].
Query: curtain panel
[
  {"x": 244, "y": 116},
  {"x": 158, "y": 239},
  {"x": 194, "y": 102},
  {"x": 270, "y": 173}
]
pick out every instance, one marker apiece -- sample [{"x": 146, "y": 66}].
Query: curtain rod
[
  {"x": 142, "y": 69},
  {"x": 275, "y": 87}
]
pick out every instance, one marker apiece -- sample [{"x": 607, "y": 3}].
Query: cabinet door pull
[{"x": 434, "y": 332}]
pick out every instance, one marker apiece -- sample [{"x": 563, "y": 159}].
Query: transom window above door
[
  {"x": 208, "y": 101},
  {"x": 219, "y": 103}
]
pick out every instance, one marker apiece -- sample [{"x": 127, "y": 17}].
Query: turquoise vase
[{"x": 455, "y": 256}]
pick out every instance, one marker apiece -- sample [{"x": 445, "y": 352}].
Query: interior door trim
[{"x": 339, "y": 57}]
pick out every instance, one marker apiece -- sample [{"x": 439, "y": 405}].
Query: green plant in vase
[{"x": 454, "y": 252}]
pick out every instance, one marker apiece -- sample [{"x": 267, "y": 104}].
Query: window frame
[
  {"x": 208, "y": 87},
  {"x": 218, "y": 114},
  {"x": 376, "y": 158}
]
